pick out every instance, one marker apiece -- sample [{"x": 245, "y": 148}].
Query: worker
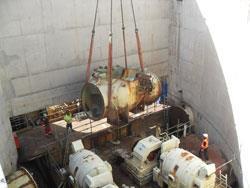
[
  {"x": 44, "y": 122},
  {"x": 68, "y": 119},
  {"x": 47, "y": 128},
  {"x": 204, "y": 147}
]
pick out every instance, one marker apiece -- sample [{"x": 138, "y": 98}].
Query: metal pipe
[{"x": 224, "y": 164}]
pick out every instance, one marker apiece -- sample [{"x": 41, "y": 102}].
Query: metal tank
[
  {"x": 88, "y": 169},
  {"x": 130, "y": 88},
  {"x": 21, "y": 178},
  {"x": 180, "y": 168}
]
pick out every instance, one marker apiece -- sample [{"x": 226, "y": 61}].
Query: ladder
[{"x": 222, "y": 181}]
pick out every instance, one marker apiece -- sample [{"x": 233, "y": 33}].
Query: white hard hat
[{"x": 205, "y": 135}]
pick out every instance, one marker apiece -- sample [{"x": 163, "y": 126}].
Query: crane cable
[
  {"x": 109, "y": 76},
  {"x": 91, "y": 45},
  {"x": 123, "y": 34},
  {"x": 139, "y": 49},
  {"x": 133, "y": 11}
]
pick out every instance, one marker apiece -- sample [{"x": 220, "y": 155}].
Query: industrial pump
[
  {"x": 169, "y": 165},
  {"x": 179, "y": 168},
  {"x": 130, "y": 89},
  {"x": 88, "y": 169},
  {"x": 143, "y": 159}
]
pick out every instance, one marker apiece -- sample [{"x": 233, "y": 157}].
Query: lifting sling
[
  {"x": 110, "y": 52},
  {"x": 123, "y": 35},
  {"x": 91, "y": 45},
  {"x": 110, "y": 59}
]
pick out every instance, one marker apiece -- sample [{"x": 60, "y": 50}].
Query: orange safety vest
[{"x": 204, "y": 144}]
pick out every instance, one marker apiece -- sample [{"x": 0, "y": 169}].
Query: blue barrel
[{"x": 164, "y": 91}]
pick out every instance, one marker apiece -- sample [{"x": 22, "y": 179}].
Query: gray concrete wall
[
  {"x": 195, "y": 68},
  {"x": 8, "y": 154},
  {"x": 44, "y": 45}
]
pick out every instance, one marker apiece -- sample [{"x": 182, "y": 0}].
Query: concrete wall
[
  {"x": 44, "y": 45},
  {"x": 199, "y": 66},
  {"x": 8, "y": 154}
]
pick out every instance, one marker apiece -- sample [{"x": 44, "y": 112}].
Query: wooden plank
[{"x": 86, "y": 126}]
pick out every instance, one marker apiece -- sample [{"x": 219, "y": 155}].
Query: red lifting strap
[
  {"x": 123, "y": 36},
  {"x": 110, "y": 53}
]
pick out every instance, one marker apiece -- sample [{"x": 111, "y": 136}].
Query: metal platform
[
  {"x": 34, "y": 143},
  {"x": 150, "y": 109}
]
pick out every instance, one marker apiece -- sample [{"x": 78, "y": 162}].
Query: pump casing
[
  {"x": 130, "y": 89},
  {"x": 88, "y": 169},
  {"x": 180, "y": 168}
]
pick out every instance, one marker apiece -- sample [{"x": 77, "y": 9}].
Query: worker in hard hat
[
  {"x": 46, "y": 125},
  {"x": 204, "y": 147},
  {"x": 68, "y": 119}
]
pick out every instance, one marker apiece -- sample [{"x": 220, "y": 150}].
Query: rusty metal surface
[
  {"x": 130, "y": 88},
  {"x": 174, "y": 170},
  {"x": 34, "y": 143},
  {"x": 183, "y": 154}
]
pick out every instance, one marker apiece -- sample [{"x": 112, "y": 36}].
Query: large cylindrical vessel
[
  {"x": 130, "y": 88},
  {"x": 89, "y": 170},
  {"x": 180, "y": 168}
]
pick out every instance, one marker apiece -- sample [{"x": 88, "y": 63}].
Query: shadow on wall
[{"x": 195, "y": 69}]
